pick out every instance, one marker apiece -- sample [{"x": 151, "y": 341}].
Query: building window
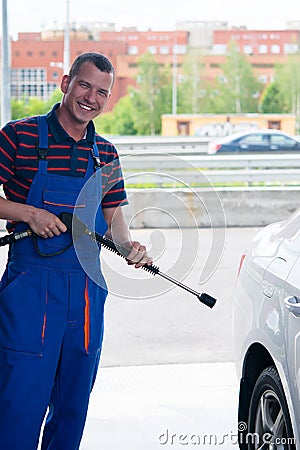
[
  {"x": 248, "y": 49},
  {"x": 30, "y": 82},
  {"x": 164, "y": 50},
  {"x": 219, "y": 49},
  {"x": 290, "y": 48},
  {"x": 132, "y": 50},
  {"x": 263, "y": 49},
  {"x": 152, "y": 49},
  {"x": 179, "y": 49},
  {"x": 183, "y": 128},
  {"x": 274, "y": 125},
  {"x": 263, "y": 65},
  {"x": 275, "y": 49}
]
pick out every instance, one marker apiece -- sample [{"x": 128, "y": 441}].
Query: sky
[{"x": 36, "y": 15}]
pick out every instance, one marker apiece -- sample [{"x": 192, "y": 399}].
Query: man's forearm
[
  {"x": 18, "y": 212},
  {"x": 40, "y": 221},
  {"x": 117, "y": 229}
]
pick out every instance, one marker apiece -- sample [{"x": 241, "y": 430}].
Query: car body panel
[{"x": 264, "y": 321}]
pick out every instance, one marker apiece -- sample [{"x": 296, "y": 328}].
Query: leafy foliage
[
  {"x": 33, "y": 106},
  {"x": 273, "y": 100},
  {"x": 238, "y": 90},
  {"x": 152, "y": 97}
]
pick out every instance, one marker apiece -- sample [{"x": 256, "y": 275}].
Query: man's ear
[{"x": 64, "y": 83}]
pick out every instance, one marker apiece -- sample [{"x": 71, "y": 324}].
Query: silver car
[{"x": 267, "y": 338}]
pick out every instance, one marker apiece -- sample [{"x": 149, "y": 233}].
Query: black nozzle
[{"x": 208, "y": 300}]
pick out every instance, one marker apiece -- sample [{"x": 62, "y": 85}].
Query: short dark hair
[{"x": 99, "y": 60}]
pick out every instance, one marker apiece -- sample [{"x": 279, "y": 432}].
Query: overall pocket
[
  {"x": 56, "y": 202},
  {"x": 23, "y": 310}
]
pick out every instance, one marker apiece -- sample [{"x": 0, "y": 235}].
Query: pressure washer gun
[{"x": 79, "y": 228}]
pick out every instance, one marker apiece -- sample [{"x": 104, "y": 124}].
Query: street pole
[
  {"x": 67, "y": 39},
  {"x": 174, "y": 77},
  {"x": 5, "y": 70}
]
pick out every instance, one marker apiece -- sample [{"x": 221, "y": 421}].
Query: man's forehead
[{"x": 94, "y": 75}]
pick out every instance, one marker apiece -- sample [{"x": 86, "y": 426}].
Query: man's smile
[{"x": 85, "y": 107}]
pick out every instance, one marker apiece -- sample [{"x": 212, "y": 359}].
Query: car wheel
[{"x": 269, "y": 425}]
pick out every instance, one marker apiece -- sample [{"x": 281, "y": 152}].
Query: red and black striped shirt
[{"x": 19, "y": 158}]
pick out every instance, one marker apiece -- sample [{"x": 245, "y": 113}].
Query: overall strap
[
  {"x": 96, "y": 156},
  {"x": 43, "y": 136},
  {"x": 42, "y": 148}
]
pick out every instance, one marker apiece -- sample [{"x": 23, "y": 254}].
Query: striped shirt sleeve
[
  {"x": 113, "y": 188},
  {"x": 8, "y": 147}
]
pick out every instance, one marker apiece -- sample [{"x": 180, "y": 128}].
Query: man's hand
[
  {"x": 45, "y": 224},
  {"x": 138, "y": 255},
  {"x": 42, "y": 222}
]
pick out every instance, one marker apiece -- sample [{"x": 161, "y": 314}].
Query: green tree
[
  {"x": 194, "y": 91},
  {"x": 120, "y": 121},
  {"x": 55, "y": 97},
  {"x": 18, "y": 109},
  {"x": 273, "y": 100},
  {"x": 32, "y": 106},
  {"x": 105, "y": 123},
  {"x": 288, "y": 78},
  {"x": 238, "y": 90},
  {"x": 152, "y": 97}
]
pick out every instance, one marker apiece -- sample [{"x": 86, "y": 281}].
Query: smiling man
[{"x": 51, "y": 310}]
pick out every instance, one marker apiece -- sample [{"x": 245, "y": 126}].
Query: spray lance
[{"x": 80, "y": 228}]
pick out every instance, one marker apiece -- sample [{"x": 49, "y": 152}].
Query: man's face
[{"x": 87, "y": 94}]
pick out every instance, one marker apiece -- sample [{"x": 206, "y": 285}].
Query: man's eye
[
  {"x": 102, "y": 93},
  {"x": 85, "y": 85}
]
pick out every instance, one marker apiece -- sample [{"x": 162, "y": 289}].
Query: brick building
[
  {"x": 263, "y": 48},
  {"x": 37, "y": 58}
]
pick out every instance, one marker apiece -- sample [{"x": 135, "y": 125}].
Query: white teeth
[{"x": 87, "y": 108}]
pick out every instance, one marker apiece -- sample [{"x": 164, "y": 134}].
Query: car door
[
  {"x": 255, "y": 142},
  {"x": 282, "y": 143},
  {"x": 292, "y": 330}
]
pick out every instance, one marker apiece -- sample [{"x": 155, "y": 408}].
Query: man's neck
[{"x": 76, "y": 130}]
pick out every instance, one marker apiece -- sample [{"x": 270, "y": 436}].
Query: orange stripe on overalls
[{"x": 86, "y": 317}]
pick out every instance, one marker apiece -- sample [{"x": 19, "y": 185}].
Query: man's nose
[{"x": 90, "y": 95}]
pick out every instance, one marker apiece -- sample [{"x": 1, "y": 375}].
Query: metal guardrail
[
  {"x": 150, "y": 167},
  {"x": 174, "y": 145},
  {"x": 198, "y": 169}
]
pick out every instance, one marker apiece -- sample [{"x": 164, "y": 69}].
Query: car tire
[{"x": 269, "y": 424}]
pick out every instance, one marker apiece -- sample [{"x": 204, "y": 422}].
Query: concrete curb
[{"x": 167, "y": 208}]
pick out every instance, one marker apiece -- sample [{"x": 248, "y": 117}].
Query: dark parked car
[{"x": 256, "y": 141}]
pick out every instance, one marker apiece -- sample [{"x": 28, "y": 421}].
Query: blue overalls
[{"x": 51, "y": 323}]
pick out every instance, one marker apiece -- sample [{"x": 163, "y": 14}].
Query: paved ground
[{"x": 163, "y": 407}]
